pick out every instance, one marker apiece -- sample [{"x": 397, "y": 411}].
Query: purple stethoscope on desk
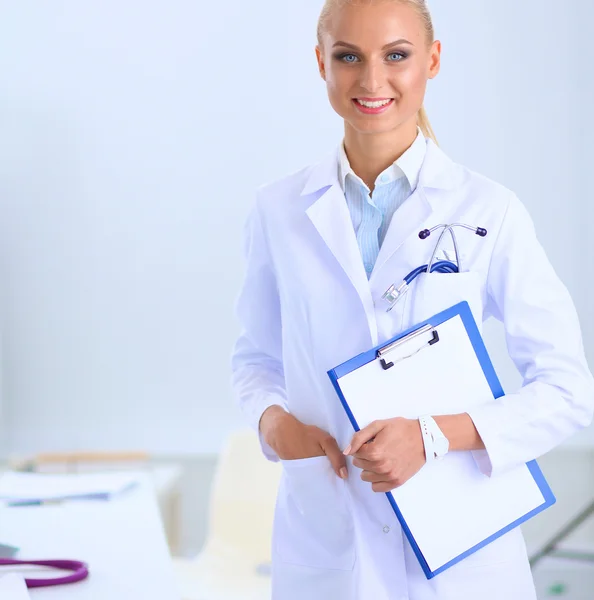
[
  {"x": 393, "y": 293},
  {"x": 79, "y": 571}
]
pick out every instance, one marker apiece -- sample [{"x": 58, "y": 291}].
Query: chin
[{"x": 366, "y": 126}]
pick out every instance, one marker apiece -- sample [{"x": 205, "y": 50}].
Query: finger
[
  {"x": 362, "y": 463},
  {"x": 373, "y": 477},
  {"x": 369, "y": 451},
  {"x": 363, "y": 436},
  {"x": 336, "y": 457},
  {"x": 384, "y": 486},
  {"x": 390, "y": 482},
  {"x": 377, "y": 466}
]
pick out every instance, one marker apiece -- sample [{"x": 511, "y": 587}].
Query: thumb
[{"x": 337, "y": 458}]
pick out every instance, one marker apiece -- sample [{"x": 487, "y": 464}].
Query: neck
[{"x": 370, "y": 154}]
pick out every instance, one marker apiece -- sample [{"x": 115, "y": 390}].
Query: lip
[{"x": 372, "y": 111}]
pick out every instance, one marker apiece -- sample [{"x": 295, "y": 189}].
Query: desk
[
  {"x": 166, "y": 478},
  {"x": 121, "y": 539}
]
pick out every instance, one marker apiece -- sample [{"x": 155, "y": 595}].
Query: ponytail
[{"x": 425, "y": 125}]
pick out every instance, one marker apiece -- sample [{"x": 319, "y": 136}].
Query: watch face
[{"x": 441, "y": 446}]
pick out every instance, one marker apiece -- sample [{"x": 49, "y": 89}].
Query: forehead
[{"x": 371, "y": 26}]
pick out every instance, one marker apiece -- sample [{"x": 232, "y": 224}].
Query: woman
[{"x": 322, "y": 247}]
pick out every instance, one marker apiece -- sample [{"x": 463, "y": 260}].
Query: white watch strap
[
  {"x": 435, "y": 432},
  {"x": 427, "y": 439}
]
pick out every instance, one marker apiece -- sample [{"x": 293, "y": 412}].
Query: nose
[{"x": 372, "y": 77}]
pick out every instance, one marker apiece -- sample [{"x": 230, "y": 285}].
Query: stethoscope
[
  {"x": 394, "y": 293},
  {"x": 78, "y": 571}
]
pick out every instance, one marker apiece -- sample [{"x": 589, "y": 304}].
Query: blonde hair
[{"x": 422, "y": 9}]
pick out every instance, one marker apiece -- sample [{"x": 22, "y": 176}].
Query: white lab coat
[{"x": 307, "y": 306}]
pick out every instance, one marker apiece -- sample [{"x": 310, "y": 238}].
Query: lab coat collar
[
  {"x": 437, "y": 171},
  {"x": 407, "y": 165}
]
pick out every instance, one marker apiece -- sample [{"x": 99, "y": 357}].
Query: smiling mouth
[
  {"x": 373, "y": 106},
  {"x": 374, "y": 103}
]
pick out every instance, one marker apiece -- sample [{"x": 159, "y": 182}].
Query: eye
[
  {"x": 396, "y": 56},
  {"x": 348, "y": 58}
]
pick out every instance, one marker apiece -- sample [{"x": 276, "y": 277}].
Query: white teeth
[{"x": 375, "y": 104}]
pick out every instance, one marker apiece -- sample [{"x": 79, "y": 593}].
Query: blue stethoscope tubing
[
  {"x": 441, "y": 266},
  {"x": 393, "y": 293}
]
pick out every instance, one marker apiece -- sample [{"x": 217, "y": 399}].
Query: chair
[{"x": 235, "y": 561}]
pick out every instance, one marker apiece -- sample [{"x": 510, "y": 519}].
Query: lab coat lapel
[
  {"x": 407, "y": 220},
  {"x": 437, "y": 173},
  {"x": 330, "y": 216}
]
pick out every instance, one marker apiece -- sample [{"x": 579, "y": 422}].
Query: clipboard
[{"x": 449, "y": 509}]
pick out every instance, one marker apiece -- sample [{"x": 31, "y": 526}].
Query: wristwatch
[{"x": 436, "y": 443}]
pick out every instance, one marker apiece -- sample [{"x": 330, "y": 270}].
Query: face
[{"x": 376, "y": 60}]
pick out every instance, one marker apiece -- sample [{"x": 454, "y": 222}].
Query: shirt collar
[{"x": 408, "y": 165}]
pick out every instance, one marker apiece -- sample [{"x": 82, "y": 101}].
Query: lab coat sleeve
[
  {"x": 545, "y": 343},
  {"x": 257, "y": 368}
]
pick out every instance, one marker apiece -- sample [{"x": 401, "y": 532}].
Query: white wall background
[{"x": 132, "y": 136}]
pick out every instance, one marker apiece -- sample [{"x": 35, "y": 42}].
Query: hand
[
  {"x": 394, "y": 454},
  {"x": 292, "y": 440}
]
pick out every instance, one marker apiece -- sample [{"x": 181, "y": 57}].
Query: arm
[
  {"x": 544, "y": 341},
  {"x": 460, "y": 431},
  {"x": 256, "y": 364}
]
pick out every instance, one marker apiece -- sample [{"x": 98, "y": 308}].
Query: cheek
[
  {"x": 411, "y": 83},
  {"x": 337, "y": 81},
  {"x": 338, "y": 85}
]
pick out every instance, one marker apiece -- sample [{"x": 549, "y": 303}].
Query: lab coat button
[
  {"x": 384, "y": 178},
  {"x": 386, "y": 529}
]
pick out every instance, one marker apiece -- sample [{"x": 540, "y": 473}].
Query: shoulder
[
  {"x": 285, "y": 187},
  {"x": 487, "y": 189},
  {"x": 473, "y": 193},
  {"x": 495, "y": 199},
  {"x": 287, "y": 190},
  {"x": 445, "y": 173},
  {"x": 473, "y": 188}
]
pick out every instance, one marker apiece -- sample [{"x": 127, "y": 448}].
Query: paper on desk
[
  {"x": 31, "y": 487},
  {"x": 13, "y": 587}
]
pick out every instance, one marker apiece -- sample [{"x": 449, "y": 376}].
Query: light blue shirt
[{"x": 371, "y": 213}]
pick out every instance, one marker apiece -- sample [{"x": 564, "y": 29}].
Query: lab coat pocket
[
  {"x": 432, "y": 293},
  {"x": 313, "y": 524}
]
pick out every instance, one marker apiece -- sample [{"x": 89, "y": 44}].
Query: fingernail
[
  {"x": 347, "y": 450},
  {"x": 343, "y": 473}
]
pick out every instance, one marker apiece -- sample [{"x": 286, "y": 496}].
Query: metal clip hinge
[{"x": 391, "y": 347}]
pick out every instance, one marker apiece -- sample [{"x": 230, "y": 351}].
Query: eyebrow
[{"x": 347, "y": 45}]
